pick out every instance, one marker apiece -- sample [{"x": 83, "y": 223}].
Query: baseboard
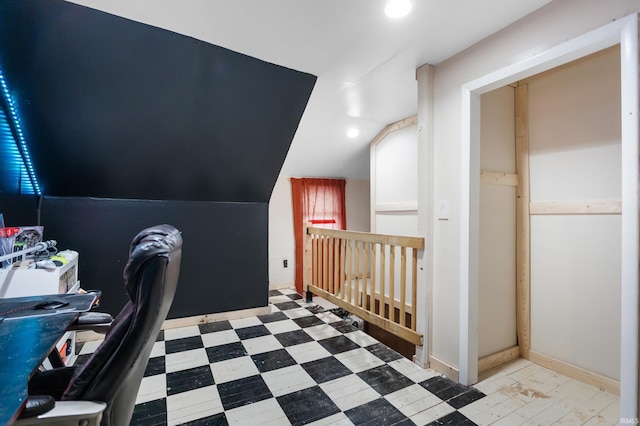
[
  {"x": 277, "y": 286},
  {"x": 580, "y": 374},
  {"x": 85, "y": 336},
  {"x": 203, "y": 319},
  {"x": 443, "y": 368},
  {"x": 494, "y": 360}
]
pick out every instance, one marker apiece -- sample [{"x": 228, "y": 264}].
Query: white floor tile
[
  {"x": 413, "y": 400},
  {"x": 328, "y": 317},
  {"x": 219, "y": 338},
  {"x": 152, "y": 388},
  {"x": 261, "y": 344},
  {"x": 323, "y": 331},
  {"x": 182, "y": 332},
  {"x": 187, "y": 359},
  {"x": 267, "y": 412},
  {"x": 361, "y": 338},
  {"x": 286, "y": 380},
  {"x": 349, "y": 392},
  {"x": 233, "y": 369},
  {"x": 358, "y": 360},
  {"x": 157, "y": 350},
  {"x": 431, "y": 414},
  {"x": 306, "y": 352},
  {"x": 339, "y": 419},
  {"x": 297, "y": 313},
  {"x": 245, "y": 322},
  {"x": 89, "y": 347},
  {"x": 192, "y": 405},
  {"x": 277, "y": 327},
  {"x": 412, "y": 370}
]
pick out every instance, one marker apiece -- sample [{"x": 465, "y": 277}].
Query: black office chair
[{"x": 111, "y": 377}]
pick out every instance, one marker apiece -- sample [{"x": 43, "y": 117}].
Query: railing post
[{"x": 307, "y": 259}]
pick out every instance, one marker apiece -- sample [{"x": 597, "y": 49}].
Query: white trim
[{"x": 624, "y": 32}]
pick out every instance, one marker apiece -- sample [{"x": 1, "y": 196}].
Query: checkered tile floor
[{"x": 298, "y": 365}]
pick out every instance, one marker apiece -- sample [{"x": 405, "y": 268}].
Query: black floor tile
[
  {"x": 185, "y": 380},
  {"x": 471, "y": 395},
  {"x": 184, "y": 344},
  {"x": 377, "y": 412},
  {"x": 343, "y": 326},
  {"x": 383, "y": 352},
  {"x": 152, "y": 413},
  {"x": 276, "y": 316},
  {"x": 452, "y": 419},
  {"x": 243, "y": 391},
  {"x": 307, "y": 405},
  {"x": 160, "y": 337},
  {"x": 444, "y": 388},
  {"x": 285, "y": 306},
  {"x": 212, "y": 327},
  {"x": 294, "y": 296},
  {"x": 216, "y": 420},
  {"x": 325, "y": 369},
  {"x": 295, "y": 337},
  {"x": 251, "y": 332},
  {"x": 273, "y": 293},
  {"x": 81, "y": 359},
  {"x": 385, "y": 379},
  {"x": 338, "y": 344},
  {"x": 155, "y": 366},
  {"x": 308, "y": 321},
  {"x": 273, "y": 360},
  {"x": 224, "y": 352}
]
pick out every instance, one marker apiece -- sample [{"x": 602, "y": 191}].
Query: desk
[{"x": 27, "y": 335}]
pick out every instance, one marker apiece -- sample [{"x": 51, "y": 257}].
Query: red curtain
[{"x": 320, "y": 201}]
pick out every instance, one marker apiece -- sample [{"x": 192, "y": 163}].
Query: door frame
[{"x": 625, "y": 33}]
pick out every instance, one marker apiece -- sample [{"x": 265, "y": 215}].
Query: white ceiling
[{"x": 365, "y": 62}]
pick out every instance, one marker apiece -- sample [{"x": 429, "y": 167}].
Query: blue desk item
[{"x": 27, "y": 336}]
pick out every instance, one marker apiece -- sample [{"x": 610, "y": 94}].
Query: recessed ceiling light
[
  {"x": 398, "y": 8},
  {"x": 353, "y": 132}
]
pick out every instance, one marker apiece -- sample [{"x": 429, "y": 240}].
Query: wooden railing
[{"x": 373, "y": 276}]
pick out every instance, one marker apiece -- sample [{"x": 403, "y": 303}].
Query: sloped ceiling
[{"x": 118, "y": 109}]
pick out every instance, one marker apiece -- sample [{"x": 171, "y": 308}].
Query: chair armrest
[
  {"x": 97, "y": 321},
  {"x": 69, "y": 413}
]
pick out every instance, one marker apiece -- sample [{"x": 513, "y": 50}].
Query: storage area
[
  {"x": 550, "y": 203},
  {"x": 19, "y": 281}
]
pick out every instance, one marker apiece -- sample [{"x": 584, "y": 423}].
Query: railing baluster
[
  {"x": 374, "y": 276},
  {"x": 330, "y": 274},
  {"x": 383, "y": 263},
  {"x": 392, "y": 283},
  {"x": 414, "y": 287},
  {"x": 403, "y": 285},
  {"x": 366, "y": 249},
  {"x": 356, "y": 292},
  {"x": 325, "y": 281}
]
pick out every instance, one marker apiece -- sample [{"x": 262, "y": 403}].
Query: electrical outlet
[{"x": 285, "y": 263}]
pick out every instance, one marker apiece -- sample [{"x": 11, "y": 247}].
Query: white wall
[
  {"x": 549, "y": 26},
  {"x": 396, "y": 183},
  {"x": 575, "y": 154},
  {"x": 281, "y": 240}
]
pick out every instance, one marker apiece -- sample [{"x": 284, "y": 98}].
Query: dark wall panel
[
  {"x": 19, "y": 210},
  {"x": 224, "y": 262},
  {"x": 109, "y": 105}
]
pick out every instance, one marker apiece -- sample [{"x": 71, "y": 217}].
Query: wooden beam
[
  {"x": 576, "y": 207},
  {"x": 490, "y": 361},
  {"x": 396, "y": 329},
  {"x": 523, "y": 250},
  {"x": 498, "y": 178},
  {"x": 410, "y": 121},
  {"x": 585, "y": 376},
  {"x": 413, "y": 242}
]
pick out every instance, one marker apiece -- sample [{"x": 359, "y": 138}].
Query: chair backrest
[{"x": 114, "y": 371}]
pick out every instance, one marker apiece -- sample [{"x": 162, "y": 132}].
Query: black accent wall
[{"x": 130, "y": 126}]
